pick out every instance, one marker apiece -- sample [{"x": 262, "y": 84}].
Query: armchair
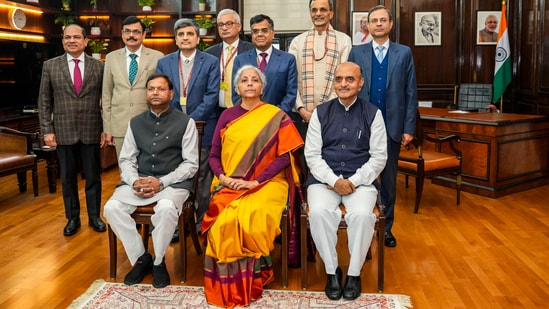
[
  {"x": 17, "y": 157},
  {"x": 421, "y": 163}
]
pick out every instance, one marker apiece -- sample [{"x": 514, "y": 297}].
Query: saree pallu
[{"x": 241, "y": 226}]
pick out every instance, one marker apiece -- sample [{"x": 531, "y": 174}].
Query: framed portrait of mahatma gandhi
[
  {"x": 428, "y": 28},
  {"x": 488, "y": 27}
]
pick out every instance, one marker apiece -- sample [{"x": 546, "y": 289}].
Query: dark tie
[
  {"x": 133, "y": 68},
  {"x": 77, "y": 76},
  {"x": 263, "y": 64}
]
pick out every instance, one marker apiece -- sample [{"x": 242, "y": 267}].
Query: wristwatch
[{"x": 160, "y": 185}]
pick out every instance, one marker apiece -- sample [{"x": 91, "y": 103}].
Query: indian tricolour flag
[{"x": 503, "y": 70}]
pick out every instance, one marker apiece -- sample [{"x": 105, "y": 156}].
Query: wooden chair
[
  {"x": 421, "y": 163},
  {"x": 379, "y": 228},
  {"x": 17, "y": 157},
  {"x": 142, "y": 216}
]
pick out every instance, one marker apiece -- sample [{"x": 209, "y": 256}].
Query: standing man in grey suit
[
  {"x": 195, "y": 76},
  {"x": 278, "y": 66},
  {"x": 229, "y": 26},
  {"x": 124, "y": 94},
  {"x": 390, "y": 85},
  {"x": 70, "y": 119}
]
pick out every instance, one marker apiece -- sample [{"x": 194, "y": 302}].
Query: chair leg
[
  {"x": 35, "y": 180},
  {"x": 381, "y": 255},
  {"x": 458, "y": 188},
  {"x": 22, "y": 181},
  {"x": 419, "y": 190},
  {"x": 406, "y": 181},
  {"x": 182, "y": 248},
  {"x": 112, "y": 251},
  {"x": 303, "y": 238},
  {"x": 284, "y": 249},
  {"x": 145, "y": 229}
]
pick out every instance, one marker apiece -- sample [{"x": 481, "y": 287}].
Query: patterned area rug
[{"x": 103, "y": 294}]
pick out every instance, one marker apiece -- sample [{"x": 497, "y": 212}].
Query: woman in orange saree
[{"x": 252, "y": 150}]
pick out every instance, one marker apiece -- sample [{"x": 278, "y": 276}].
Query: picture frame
[
  {"x": 486, "y": 33},
  {"x": 428, "y": 28},
  {"x": 359, "y": 28}
]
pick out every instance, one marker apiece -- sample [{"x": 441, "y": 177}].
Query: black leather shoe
[
  {"x": 353, "y": 288},
  {"x": 142, "y": 267},
  {"x": 97, "y": 224},
  {"x": 161, "y": 278},
  {"x": 333, "y": 285},
  {"x": 390, "y": 240},
  {"x": 72, "y": 226}
]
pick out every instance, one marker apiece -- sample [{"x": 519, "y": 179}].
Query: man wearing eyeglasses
[
  {"x": 390, "y": 84},
  {"x": 126, "y": 71},
  {"x": 228, "y": 27},
  {"x": 278, "y": 66},
  {"x": 195, "y": 76},
  {"x": 157, "y": 165}
]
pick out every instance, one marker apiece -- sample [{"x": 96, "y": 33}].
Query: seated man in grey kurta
[{"x": 158, "y": 161}]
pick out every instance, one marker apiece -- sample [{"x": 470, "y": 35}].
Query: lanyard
[
  {"x": 181, "y": 78},
  {"x": 223, "y": 64}
]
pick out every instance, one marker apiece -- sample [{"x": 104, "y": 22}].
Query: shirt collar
[
  {"x": 269, "y": 51},
  {"x": 386, "y": 45},
  {"x": 234, "y": 44},
  {"x": 138, "y": 52},
  {"x": 81, "y": 57},
  {"x": 191, "y": 58}
]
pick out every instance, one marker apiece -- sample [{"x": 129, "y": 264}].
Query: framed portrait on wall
[
  {"x": 359, "y": 28},
  {"x": 488, "y": 27},
  {"x": 428, "y": 28}
]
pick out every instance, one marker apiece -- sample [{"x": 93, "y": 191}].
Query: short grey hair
[
  {"x": 185, "y": 22},
  {"x": 238, "y": 75},
  {"x": 229, "y": 11}
]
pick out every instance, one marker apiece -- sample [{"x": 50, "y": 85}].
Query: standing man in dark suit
[
  {"x": 390, "y": 84},
  {"x": 195, "y": 76},
  {"x": 279, "y": 67},
  {"x": 228, "y": 26},
  {"x": 70, "y": 119}
]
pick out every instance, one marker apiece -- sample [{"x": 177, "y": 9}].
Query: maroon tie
[
  {"x": 77, "y": 76},
  {"x": 263, "y": 64}
]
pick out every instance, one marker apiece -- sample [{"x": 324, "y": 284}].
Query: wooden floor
[{"x": 485, "y": 253}]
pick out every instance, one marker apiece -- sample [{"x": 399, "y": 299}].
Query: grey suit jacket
[
  {"x": 120, "y": 100},
  {"x": 71, "y": 117},
  {"x": 401, "y": 86}
]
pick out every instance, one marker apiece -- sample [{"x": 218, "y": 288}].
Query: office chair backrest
[{"x": 473, "y": 97}]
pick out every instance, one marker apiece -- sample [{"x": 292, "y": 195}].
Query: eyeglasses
[
  {"x": 381, "y": 20},
  {"x": 264, "y": 31},
  {"x": 153, "y": 89},
  {"x": 229, "y": 24},
  {"x": 134, "y": 31}
]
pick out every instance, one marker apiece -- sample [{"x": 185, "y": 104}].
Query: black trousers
[{"x": 73, "y": 159}]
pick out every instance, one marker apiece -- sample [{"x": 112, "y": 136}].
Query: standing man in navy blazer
[
  {"x": 391, "y": 86},
  {"x": 228, "y": 26},
  {"x": 70, "y": 119},
  {"x": 195, "y": 77},
  {"x": 281, "y": 69}
]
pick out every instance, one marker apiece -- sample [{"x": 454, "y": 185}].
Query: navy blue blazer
[
  {"x": 243, "y": 46},
  {"x": 401, "y": 86},
  {"x": 202, "y": 91},
  {"x": 281, "y": 74}
]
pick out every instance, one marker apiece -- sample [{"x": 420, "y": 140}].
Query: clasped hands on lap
[
  {"x": 237, "y": 183},
  {"x": 146, "y": 187},
  {"x": 343, "y": 187}
]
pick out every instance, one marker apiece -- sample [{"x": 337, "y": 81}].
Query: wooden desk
[{"x": 502, "y": 153}]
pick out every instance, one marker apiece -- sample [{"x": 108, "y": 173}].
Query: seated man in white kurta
[
  {"x": 158, "y": 161},
  {"x": 346, "y": 150}
]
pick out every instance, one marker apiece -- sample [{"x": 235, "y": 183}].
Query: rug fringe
[
  {"x": 405, "y": 301},
  {"x": 82, "y": 299}
]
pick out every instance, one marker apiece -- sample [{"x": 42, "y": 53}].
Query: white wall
[{"x": 287, "y": 15}]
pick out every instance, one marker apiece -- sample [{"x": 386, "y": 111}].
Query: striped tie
[{"x": 133, "y": 68}]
